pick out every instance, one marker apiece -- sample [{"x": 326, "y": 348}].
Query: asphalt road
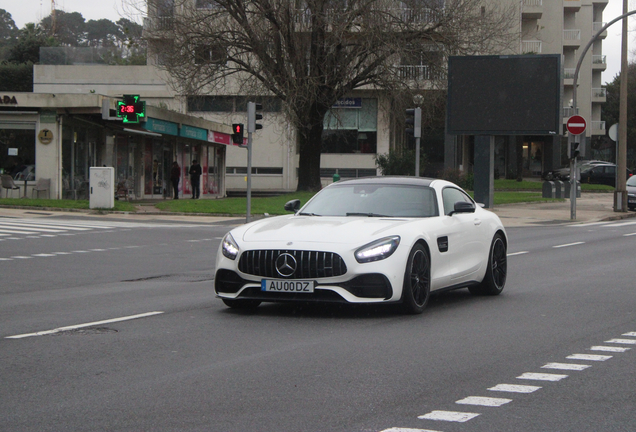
[{"x": 199, "y": 366}]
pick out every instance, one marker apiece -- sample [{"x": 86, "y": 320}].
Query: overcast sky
[{"x": 24, "y": 11}]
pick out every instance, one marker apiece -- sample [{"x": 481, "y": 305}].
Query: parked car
[
  {"x": 368, "y": 240},
  {"x": 601, "y": 174},
  {"x": 563, "y": 174},
  {"x": 631, "y": 193}
]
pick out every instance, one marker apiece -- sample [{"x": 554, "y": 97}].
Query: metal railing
[
  {"x": 599, "y": 59},
  {"x": 568, "y": 73},
  {"x": 572, "y": 34},
  {"x": 418, "y": 72},
  {"x": 598, "y": 125},
  {"x": 533, "y": 3},
  {"x": 600, "y": 92},
  {"x": 530, "y": 46}
]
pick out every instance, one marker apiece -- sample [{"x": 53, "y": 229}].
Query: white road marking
[
  {"x": 91, "y": 324},
  {"x": 541, "y": 377},
  {"x": 21, "y": 257},
  {"x": 589, "y": 224},
  {"x": 565, "y": 366},
  {"x": 629, "y": 235},
  {"x": 80, "y": 251},
  {"x": 43, "y": 255},
  {"x": 451, "y": 416},
  {"x": 591, "y": 357},
  {"x": 16, "y": 231},
  {"x": 395, "y": 429},
  {"x": 621, "y": 224},
  {"x": 518, "y": 253},
  {"x": 622, "y": 341},
  {"x": 39, "y": 228},
  {"x": 6, "y": 259},
  {"x": 483, "y": 401},
  {"x": 630, "y": 333},
  {"x": 513, "y": 388},
  {"x": 609, "y": 349},
  {"x": 568, "y": 245}
]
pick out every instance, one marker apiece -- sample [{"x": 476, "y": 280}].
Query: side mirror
[
  {"x": 293, "y": 205},
  {"x": 463, "y": 207}
]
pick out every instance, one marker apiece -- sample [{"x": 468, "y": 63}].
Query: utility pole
[
  {"x": 620, "y": 196},
  {"x": 53, "y": 18}
]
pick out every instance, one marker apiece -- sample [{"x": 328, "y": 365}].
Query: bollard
[
  {"x": 567, "y": 189},
  {"x": 548, "y": 189}
]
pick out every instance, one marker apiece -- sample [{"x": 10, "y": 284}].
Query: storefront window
[
  {"x": 351, "y": 129},
  {"x": 17, "y": 151}
]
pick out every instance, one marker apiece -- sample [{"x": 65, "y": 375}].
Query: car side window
[{"x": 450, "y": 196}]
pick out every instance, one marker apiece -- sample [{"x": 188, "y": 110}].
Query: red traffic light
[{"x": 237, "y": 133}]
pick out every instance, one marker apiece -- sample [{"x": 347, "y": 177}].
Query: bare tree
[{"x": 310, "y": 53}]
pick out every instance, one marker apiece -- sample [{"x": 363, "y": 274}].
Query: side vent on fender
[{"x": 442, "y": 244}]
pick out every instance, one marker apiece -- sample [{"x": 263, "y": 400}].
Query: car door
[{"x": 463, "y": 238}]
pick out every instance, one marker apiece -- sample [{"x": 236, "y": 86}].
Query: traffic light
[
  {"x": 414, "y": 122},
  {"x": 575, "y": 150},
  {"x": 252, "y": 116},
  {"x": 237, "y": 133}
]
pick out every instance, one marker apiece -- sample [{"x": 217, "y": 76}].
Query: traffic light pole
[{"x": 249, "y": 177}]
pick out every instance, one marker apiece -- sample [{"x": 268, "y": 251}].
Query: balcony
[
  {"x": 599, "y": 62},
  {"x": 599, "y": 94},
  {"x": 568, "y": 76},
  {"x": 530, "y": 46},
  {"x": 572, "y": 5},
  {"x": 567, "y": 113},
  {"x": 158, "y": 24},
  {"x": 532, "y": 9},
  {"x": 596, "y": 26},
  {"x": 572, "y": 38},
  {"x": 598, "y": 127}
]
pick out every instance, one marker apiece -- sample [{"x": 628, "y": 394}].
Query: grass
[{"x": 506, "y": 192}]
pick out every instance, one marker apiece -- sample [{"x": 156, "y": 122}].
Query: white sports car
[{"x": 368, "y": 240}]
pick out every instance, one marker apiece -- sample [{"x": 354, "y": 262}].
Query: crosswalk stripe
[
  {"x": 15, "y": 231},
  {"x": 20, "y": 226},
  {"x": 44, "y": 225}
]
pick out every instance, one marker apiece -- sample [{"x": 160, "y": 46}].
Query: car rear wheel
[
  {"x": 241, "y": 304},
  {"x": 417, "y": 281},
  {"x": 495, "y": 279}
]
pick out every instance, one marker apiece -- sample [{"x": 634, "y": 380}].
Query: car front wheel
[
  {"x": 495, "y": 278},
  {"x": 417, "y": 281}
]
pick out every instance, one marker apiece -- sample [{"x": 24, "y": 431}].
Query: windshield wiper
[
  {"x": 365, "y": 214},
  {"x": 308, "y": 214}
]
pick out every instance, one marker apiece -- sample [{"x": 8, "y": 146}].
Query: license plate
[
  {"x": 632, "y": 200},
  {"x": 287, "y": 286}
]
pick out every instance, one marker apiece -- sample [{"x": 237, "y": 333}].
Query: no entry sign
[{"x": 576, "y": 125}]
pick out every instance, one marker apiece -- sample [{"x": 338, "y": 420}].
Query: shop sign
[
  {"x": 161, "y": 126},
  {"x": 45, "y": 136},
  {"x": 48, "y": 116},
  {"x": 131, "y": 109},
  {"x": 12, "y": 152},
  {"x": 8, "y": 100},
  {"x": 219, "y": 138},
  {"x": 348, "y": 103},
  {"x": 194, "y": 132}
]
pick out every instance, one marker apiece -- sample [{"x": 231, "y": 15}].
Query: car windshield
[{"x": 373, "y": 200}]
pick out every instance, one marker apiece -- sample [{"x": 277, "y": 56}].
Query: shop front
[{"x": 59, "y": 137}]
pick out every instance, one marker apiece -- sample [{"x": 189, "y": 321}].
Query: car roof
[{"x": 396, "y": 180}]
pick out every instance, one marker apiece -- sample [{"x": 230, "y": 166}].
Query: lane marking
[
  {"x": 630, "y": 333},
  {"x": 16, "y": 231},
  {"x": 629, "y": 235},
  {"x": 591, "y": 357},
  {"x": 518, "y": 253},
  {"x": 621, "y": 224},
  {"x": 21, "y": 257},
  {"x": 568, "y": 245},
  {"x": 622, "y": 341},
  {"x": 43, "y": 255},
  {"x": 451, "y": 416},
  {"x": 609, "y": 349},
  {"x": 541, "y": 377},
  {"x": 589, "y": 224},
  {"x": 395, "y": 429},
  {"x": 483, "y": 401},
  {"x": 91, "y": 324},
  {"x": 565, "y": 366},
  {"x": 512, "y": 388}
]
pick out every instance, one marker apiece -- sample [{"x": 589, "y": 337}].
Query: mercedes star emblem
[{"x": 285, "y": 265}]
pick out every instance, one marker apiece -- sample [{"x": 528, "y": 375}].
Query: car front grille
[{"x": 308, "y": 264}]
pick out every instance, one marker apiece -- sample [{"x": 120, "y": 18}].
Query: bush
[
  {"x": 461, "y": 179},
  {"x": 399, "y": 162}
]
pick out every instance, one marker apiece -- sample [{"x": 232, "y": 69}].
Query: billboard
[{"x": 504, "y": 95}]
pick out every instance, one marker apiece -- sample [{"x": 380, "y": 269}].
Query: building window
[
  {"x": 231, "y": 103},
  {"x": 348, "y": 172},
  {"x": 255, "y": 170},
  {"x": 352, "y": 127},
  {"x": 209, "y": 54}
]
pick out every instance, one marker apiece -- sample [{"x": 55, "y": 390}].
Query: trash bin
[
  {"x": 336, "y": 177},
  {"x": 548, "y": 190}
]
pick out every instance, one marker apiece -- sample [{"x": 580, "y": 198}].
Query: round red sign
[{"x": 576, "y": 125}]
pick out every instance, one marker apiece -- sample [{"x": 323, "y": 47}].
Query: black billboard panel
[{"x": 504, "y": 95}]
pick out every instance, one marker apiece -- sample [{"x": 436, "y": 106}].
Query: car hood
[{"x": 321, "y": 229}]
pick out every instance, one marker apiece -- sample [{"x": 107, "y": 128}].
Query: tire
[
  {"x": 241, "y": 304},
  {"x": 416, "y": 289},
  {"x": 497, "y": 270}
]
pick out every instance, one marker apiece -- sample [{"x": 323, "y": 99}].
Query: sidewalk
[{"x": 590, "y": 207}]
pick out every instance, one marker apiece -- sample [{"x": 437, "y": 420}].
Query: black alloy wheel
[
  {"x": 495, "y": 278},
  {"x": 417, "y": 281}
]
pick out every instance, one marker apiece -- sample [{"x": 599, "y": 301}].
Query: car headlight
[
  {"x": 377, "y": 250},
  {"x": 230, "y": 248}
]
